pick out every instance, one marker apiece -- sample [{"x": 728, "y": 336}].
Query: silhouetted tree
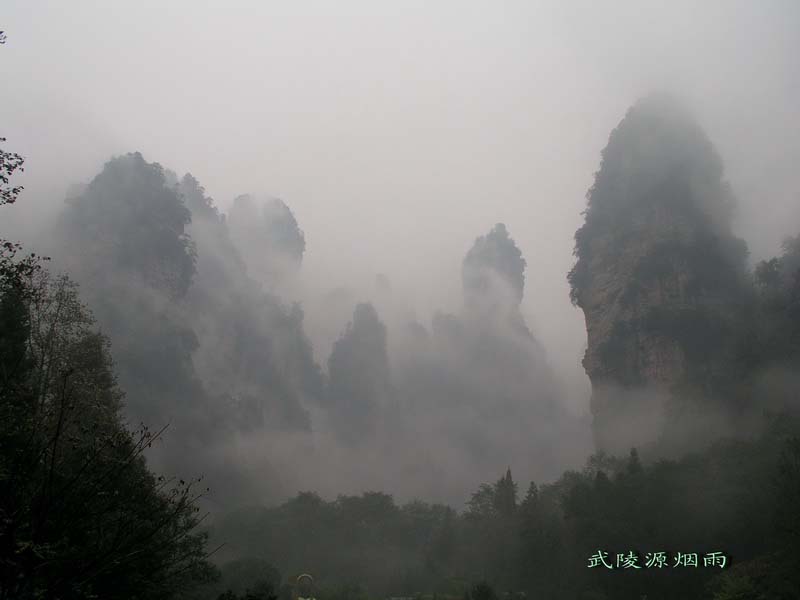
[
  {"x": 80, "y": 514},
  {"x": 505, "y": 495}
]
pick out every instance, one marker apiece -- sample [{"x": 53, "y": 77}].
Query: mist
[
  {"x": 382, "y": 126},
  {"x": 354, "y": 260},
  {"x": 396, "y": 138}
]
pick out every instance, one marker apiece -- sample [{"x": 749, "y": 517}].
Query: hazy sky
[{"x": 400, "y": 131}]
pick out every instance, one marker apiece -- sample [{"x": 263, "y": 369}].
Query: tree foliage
[
  {"x": 10, "y": 162},
  {"x": 737, "y": 497},
  {"x": 81, "y": 516}
]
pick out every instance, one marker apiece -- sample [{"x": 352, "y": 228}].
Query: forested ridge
[{"x": 157, "y": 389}]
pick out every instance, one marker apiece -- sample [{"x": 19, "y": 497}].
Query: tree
[
  {"x": 482, "y": 591},
  {"x": 80, "y": 514},
  {"x": 505, "y": 495},
  {"x": 444, "y": 542},
  {"x": 482, "y": 503},
  {"x": 13, "y": 269},
  {"x": 10, "y": 162},
  {"x": 248, "y": 579}
]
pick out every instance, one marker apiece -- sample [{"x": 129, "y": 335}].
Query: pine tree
[{"x": 505, "y": 495}]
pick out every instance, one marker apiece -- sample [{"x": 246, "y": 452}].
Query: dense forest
[{"x": 158, "y": 391}]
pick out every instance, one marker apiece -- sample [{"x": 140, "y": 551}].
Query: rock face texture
[{"x": 659, "y": 275}]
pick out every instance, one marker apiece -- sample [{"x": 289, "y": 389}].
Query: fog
[{"x": 398, "y": 134}]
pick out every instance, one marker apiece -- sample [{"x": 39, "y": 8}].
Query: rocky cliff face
[{"x": 659, "y": 276}]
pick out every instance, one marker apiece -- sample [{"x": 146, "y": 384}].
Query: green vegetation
[
  {"x": 81, "y": 516},
  {"x": 737, "y": 497},
  {"x": 196, "y": 338}
]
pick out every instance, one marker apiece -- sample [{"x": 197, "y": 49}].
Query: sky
[{"x": 399, "y": 132}]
